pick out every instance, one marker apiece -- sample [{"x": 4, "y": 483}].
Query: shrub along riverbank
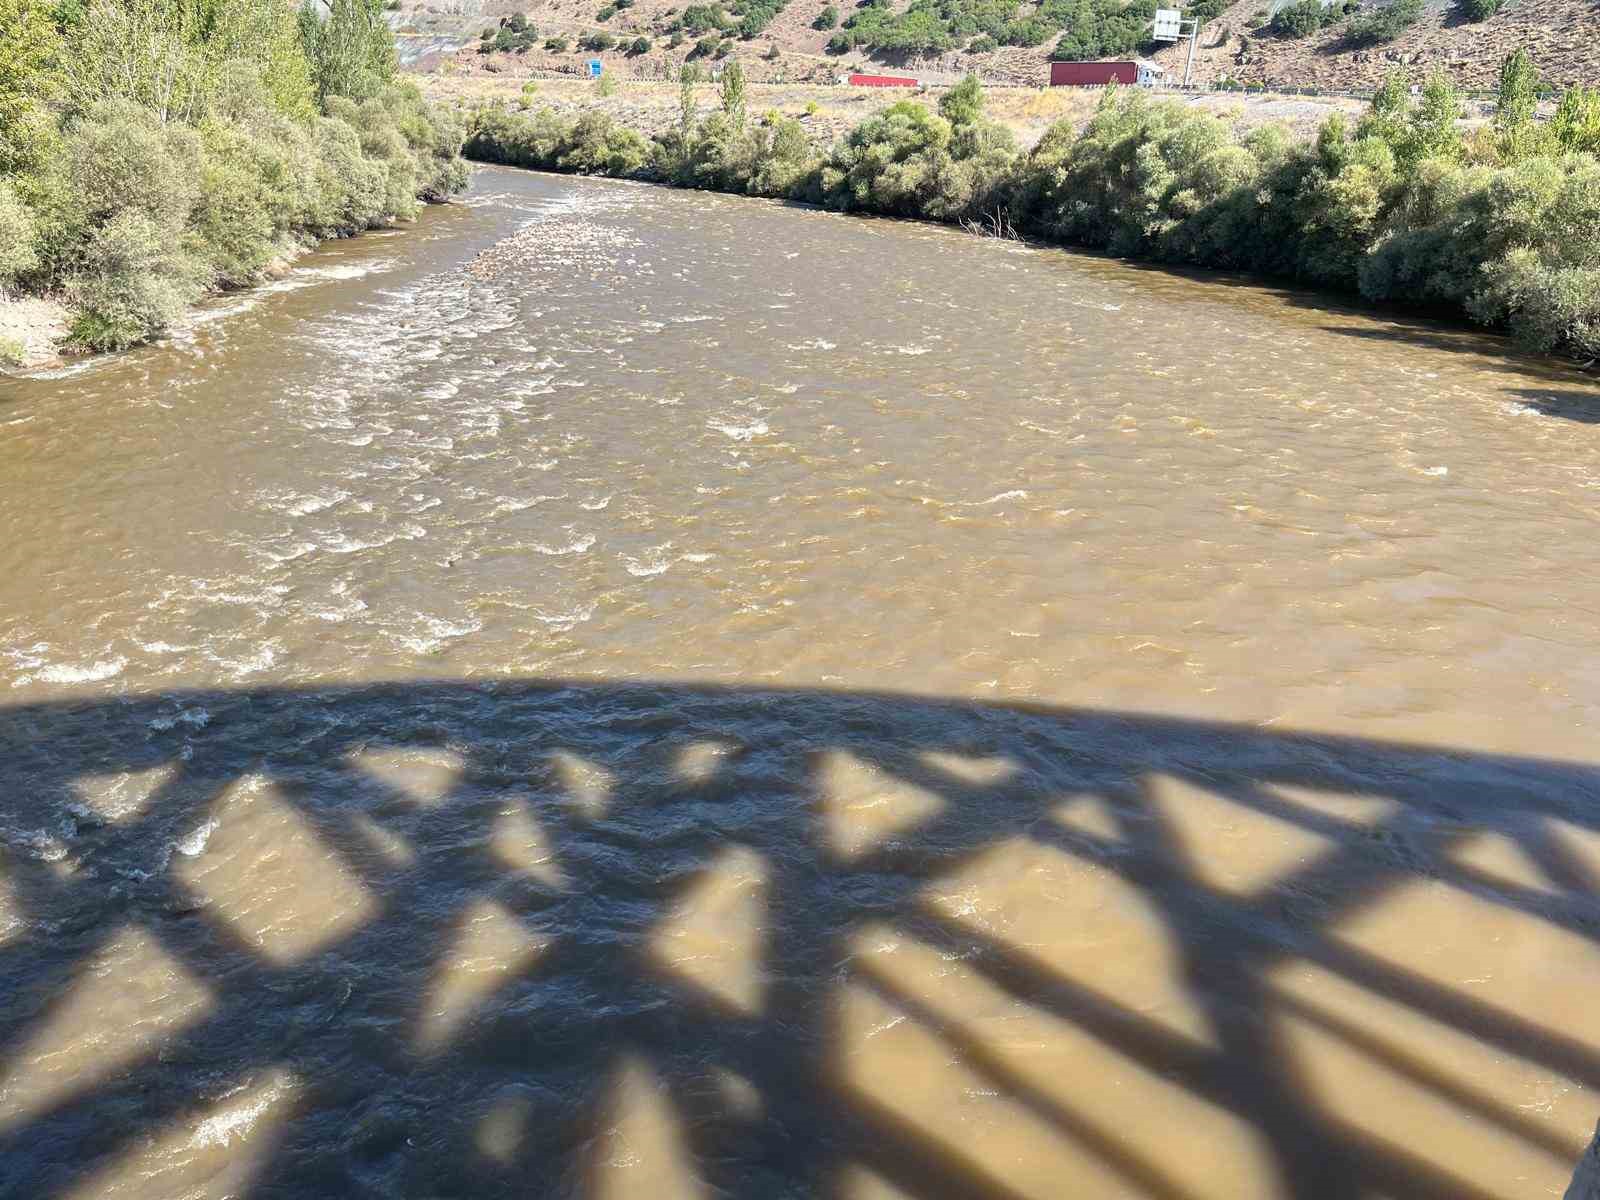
[
  {"x": 151, "y": 150},
  {"x": 1501, "y": 225}
]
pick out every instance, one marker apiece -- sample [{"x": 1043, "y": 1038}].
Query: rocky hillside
[{"x": 1562, "y": 36}]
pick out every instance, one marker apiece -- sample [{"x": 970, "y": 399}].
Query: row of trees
[
  {"x": 1400, "y": 206},
  {"x": 153, "y": 149}
]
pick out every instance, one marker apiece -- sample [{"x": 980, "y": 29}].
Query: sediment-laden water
[{"x": 625, "y": 693}]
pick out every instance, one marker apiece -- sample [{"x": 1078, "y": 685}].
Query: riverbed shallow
[{"x": 620, "y": 692}]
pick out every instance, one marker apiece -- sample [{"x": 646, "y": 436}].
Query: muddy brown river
[{"x": 622, "y": 693}]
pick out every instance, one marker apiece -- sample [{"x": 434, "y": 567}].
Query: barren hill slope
[{"x": 1563, "y": 37}]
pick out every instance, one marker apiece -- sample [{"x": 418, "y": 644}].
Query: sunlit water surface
[{"x": 625, "y": 693}]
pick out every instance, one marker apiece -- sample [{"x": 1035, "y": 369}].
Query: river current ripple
[{"x": 630, "y": 693}]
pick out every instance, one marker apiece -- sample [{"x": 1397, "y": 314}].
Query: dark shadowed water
[{"x": 622, "y": 693}]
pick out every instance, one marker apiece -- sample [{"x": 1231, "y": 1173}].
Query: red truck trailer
[
  {"x": 859, "y": 80},
  {"x": 1092, "y": 74}
]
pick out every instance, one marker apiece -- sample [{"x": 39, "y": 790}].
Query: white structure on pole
[{"x": 1169, "y": 27}]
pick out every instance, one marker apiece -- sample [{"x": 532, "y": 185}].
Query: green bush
[
  {"x": 828, "y": 18},
  {"x": 132, "y": 282},
  {"x": 909, "y": 162},
  {"x": 639, "y": 45},
  {"x": 1575, "y": 128},
  {"x": 1384, "y": 24},
  {"x": 963, "y": 104},
  {"x": 1479, "y": 10},
  {"x": 982, "y": 44},
  {"x": 556, "y": 45},
  {"x": 703, "y": 18},
  {"x": 177, "y": 156},
  {"x": 606, "y": 13},
  {"x": 1300, "y": 19},
  {"x": 1030, "y": 31},
  {"x": 17, "y": 253}
]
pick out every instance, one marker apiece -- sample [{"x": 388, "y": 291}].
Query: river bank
[
  {"x": 32, "y": 329},
  {"x": 1404, "y": 206},
  {"x": 147, "y": 162},
  {"x": 36, "y": 331},
  {"x": 827, "y": 112}
]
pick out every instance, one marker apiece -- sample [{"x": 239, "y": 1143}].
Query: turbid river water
[{"x": 622, "y": 693}]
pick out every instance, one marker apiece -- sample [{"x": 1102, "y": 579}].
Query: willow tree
[
  {"x": 1516, "y": 106},
  {"x": 174, "y": 56},
  {"x": 349, "y": 45},
  {"x": 29, "y": 80}
]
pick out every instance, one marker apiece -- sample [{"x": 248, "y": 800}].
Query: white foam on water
[
  {"x": 95, "y": 672},
  {"x": 28, "y": 656},
  {"x": 578, "y": 545},
  {"x": 194, "y": 842},
  {"x": 653, "y": 562},
  {"x": 251, "y": 664},
  {"x": 38, "y": 844},
  {"x": 163, "y": 648},
  {"x": 292, "y": 552},
  {"x": 345, "y": 271},
  {"x": 741, "y": 433},
  {"x": 1015, "y": 494},
  {"x": 512, "y": 504},
  {"x": 223, "y": 1127},
  {"x": 814, "y": 344},
  {"x": 304, "y": 504},
  {"x": 913, "y": 350},
  {"x": 594, "y": 505},
  {"x": 439, "y": 631},
  {"x": 338, "y": 615},
  {"x": 343, "y": 543},
  {"x": 197, "y": 717},
  {"x": 564, "y": 621}
]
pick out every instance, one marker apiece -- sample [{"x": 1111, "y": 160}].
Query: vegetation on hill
[
  {"x": 1305, "y": 17},
  {"x": 1401, "y": 206},
  {"x": 1081, "y": 28},
  {"x": 1383, "y": 24},
  {"x": 153, "y": 149}
]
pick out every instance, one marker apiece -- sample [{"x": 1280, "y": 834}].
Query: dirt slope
[{"x": 1562, "y": 35}]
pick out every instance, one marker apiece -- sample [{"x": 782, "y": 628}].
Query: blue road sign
[{"x": 594, "y": 68}]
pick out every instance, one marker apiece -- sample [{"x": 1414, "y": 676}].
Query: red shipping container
[
  {"x": 1092, "y": 74},
  {"x": 880, "y": 81}
]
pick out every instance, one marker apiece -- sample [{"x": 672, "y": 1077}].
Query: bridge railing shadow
[{"x": 572, "y": 939}]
